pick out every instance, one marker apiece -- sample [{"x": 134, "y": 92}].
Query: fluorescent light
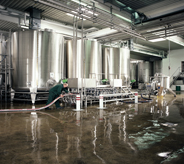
[
  {"x": 81, "y": 14},
  {"x": 85, "y": 16},
  {"x": 92, "y": 13},
  {"x": 24, "y": 27},
  {"x": 73, "y": 15},
  {"x": 74, "y": 12},
  {"x": 77, "y": 1},
  {"x": 157, "y": 40},
  {"x": 69, "y": 14}
]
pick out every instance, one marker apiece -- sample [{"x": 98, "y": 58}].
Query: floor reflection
[{"x": 123, "y": 133}]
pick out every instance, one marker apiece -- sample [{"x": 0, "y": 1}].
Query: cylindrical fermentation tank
[
  {"x": 116, "y": 64},
  {"x": 145, "y": 70},
  {"x": 95, "y": 64},
  {"x": 91, "y": 66},
  {"x": 2, "y": 57},
  {"x": 111, "y": 63},
  {"x": 36, "y": 57},
  {"x": 133, "y": 71},
  {"x": 157, "y": 66},
  {"x": 124, "y": 60},
  {"x": 74, "y": 62}
]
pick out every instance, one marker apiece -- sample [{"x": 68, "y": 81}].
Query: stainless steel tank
[
  {"x": 116, "y": 64},
  {"x": 133, "y": 68},
  {"x": 111, "y": 63},
  {"x": 124, "y": 71},
  {"x": 74, "y": 61},
  {"x": 165, "y": 82},
  {"x": 87, "y": 66},
  {"x": 36, "y": 57},
  {"x": 3, "y": 52},
  {"x": 95, "y": 68},
  {"x": 145, "y": 70},
  {"x": 50, "y": 57},
  {"x": 157, "y": 66}
]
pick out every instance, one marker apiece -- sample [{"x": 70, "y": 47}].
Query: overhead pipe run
[
  {"x": 21, "y": 18},
  {"x": 100, "y": 19}
]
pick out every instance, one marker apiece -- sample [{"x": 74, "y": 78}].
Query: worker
[{"x": 55, "y": 92}]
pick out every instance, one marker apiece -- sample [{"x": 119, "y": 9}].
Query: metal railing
[{"x": 175, "y": 75}]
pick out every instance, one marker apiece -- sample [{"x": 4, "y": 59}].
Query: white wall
[{"x": 173, "y": 60}]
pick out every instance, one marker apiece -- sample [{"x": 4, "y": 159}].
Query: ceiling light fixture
[
  {"x": 73, "y": 16},
  {"x": 81, "y": 14},
  {"x": 81, "y": 3},
  {"x": 85, "y": 16},
  {"x": 157, "y": 40},
  {"x": 24, "y": 27}
]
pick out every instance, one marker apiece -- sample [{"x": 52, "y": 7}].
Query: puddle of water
[{"x": 123, "y": 133}]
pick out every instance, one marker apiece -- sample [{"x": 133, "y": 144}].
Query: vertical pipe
[
  {"x": 10, "y": 59},
  {"x": 82, "y": 57},
  {"x": 73, "y": 47},
  {"x": 5, "y": 68}
]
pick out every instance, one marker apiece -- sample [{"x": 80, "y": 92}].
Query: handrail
[{"x": 175, "y": 72}]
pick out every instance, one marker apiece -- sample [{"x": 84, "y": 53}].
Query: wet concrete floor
[{"x": 144, "y": 133}]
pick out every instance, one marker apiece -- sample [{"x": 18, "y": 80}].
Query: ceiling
[{"x": 138, "y": 20}]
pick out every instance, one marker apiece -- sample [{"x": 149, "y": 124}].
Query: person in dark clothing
[{"x": 55, "y": 92}]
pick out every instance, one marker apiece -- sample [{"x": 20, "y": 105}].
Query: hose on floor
[
  {"x": 146, "y": 98},
  {"x": 35, "y": 109},
  {"x": 143, "y": 100}
]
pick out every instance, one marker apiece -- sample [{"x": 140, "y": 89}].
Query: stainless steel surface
[
  {"x": 116, "y": 82},
  {"x": 96, "y": 60},
  {"x": 145, "y": 70},
  {"x": 36, "y": 56},
  {"x": 111, "y": 63},
  {"x": 133, "y": 67},
  {"x": 77, "y": 83},
  {"x": 124, "y": 70},
  {"x": 157, "y": 66},
  {"x": 92, "y": 60},
  {"x": 89, "y": 83},
  {"x": 74, "y": 70},
  {"x": 116, "y": 64},
  {"x": 1, "y": 80},
  {"x": 165, "y": 82},
  {"x": 51, "y": 58}
]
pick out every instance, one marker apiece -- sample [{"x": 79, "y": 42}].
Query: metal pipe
[
  {"x": 82, "y": 64},
  {"x": 5, "y": 80},
  {"x": 99, "y": 20},
  {"x": 10, "y": 58}
]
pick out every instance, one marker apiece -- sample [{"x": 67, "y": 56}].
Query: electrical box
[
  {"x": 116, "y": 82},
  {"x": 77, "y": 83}
]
